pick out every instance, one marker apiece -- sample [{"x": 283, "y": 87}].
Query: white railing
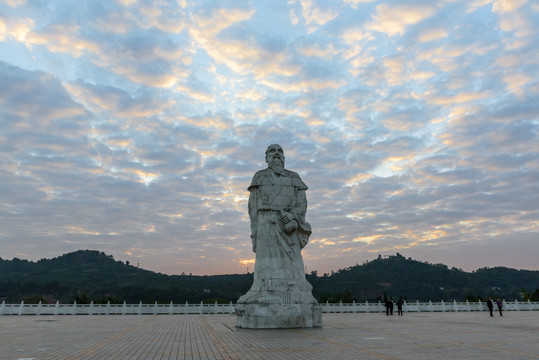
[
  {"x": 417, "y": 306},
  {"x": 170, "y": 309},
  {"x": 114, "y": 309}
]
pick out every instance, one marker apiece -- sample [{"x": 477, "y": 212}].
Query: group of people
[
  {"x": 490, "y": 305},
  {"x": 390, "y": 305}
]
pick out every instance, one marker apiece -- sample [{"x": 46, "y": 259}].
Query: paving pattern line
[
  {"x": 219, "y": 342},
  {"x": 496, "y": 348},
  {"x": 94, "y": 348},
  {"x": 346, "y": 346},
  {"x": 457, "y": 343},
  {"x": 7, "y": 338}
]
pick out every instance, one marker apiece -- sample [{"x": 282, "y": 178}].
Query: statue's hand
[
  {"x": 286, "y": 217},
  {"x": 289, "y": 222}
]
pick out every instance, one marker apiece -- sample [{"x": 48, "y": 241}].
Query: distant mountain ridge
[
  {"x": 397, "y": 276},
  {"x": 90, "y": 275}
]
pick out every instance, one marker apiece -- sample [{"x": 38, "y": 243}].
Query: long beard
[{"x": 277, "y": 165}]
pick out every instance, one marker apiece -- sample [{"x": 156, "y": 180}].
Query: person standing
[
  {"x": 399, "y": 306},
  {"x": 490, "y": 306},
  {"x": 500, "y": 305}
]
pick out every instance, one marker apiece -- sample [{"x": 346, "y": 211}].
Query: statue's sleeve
[
  {"x": 253, "y": 207},
  {"x": 256, "y": 181},
  {"x": 297, "y": 182},
  {"x": 300, "y": 209}
]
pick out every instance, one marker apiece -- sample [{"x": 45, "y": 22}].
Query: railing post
[
  {"x": 201, "y": 307},
  {"x": 74, "y": 308},
  {"x": 140, "y": 308},
  {"x": 529, "y": 305},
  {"x": 455, "y": 305},
  {"x": 56, "y": 307},
  {"x": 431, "y": 308},
  {"x": 39, "y": 308},
  {"x": 91, "y": 307},
  {"x": 468, "y": 305},
  {"x": 367, "y": 305},
  {"x": 170, "y": 311},
  {"x": 418, "y": 309},
  {"x": 21, "y": 307},
  {"x": 123, "y": 308}
]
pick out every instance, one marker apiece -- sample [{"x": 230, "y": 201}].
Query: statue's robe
[
  {"x": 281, "y": 296},
  {"x": 279, "y": 265}
]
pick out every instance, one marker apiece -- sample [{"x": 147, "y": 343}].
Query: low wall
[{"x": 170, "y": 309}]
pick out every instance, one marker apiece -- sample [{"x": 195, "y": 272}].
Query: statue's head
[{"x": 275, "y": 157}]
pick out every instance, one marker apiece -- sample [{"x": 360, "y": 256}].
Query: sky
[{"x": 134, "y": 128}]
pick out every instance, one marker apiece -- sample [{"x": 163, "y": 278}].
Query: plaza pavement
[{"x": 462, "y": 335}]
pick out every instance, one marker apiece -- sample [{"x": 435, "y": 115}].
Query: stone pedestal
[{"x": 278, "y": 309}]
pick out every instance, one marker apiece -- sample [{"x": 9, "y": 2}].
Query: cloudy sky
[{"x": 134, "y": 127}]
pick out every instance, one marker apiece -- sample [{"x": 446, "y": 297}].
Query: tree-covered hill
[
  {"x": 396, "y": 276},
  {"x": 89, "y": 275}
]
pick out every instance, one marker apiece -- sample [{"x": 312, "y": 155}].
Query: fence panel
[{"x": 184, "y": 309}]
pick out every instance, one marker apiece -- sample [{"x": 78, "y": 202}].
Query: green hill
[
  {"x": 89, "y": 275},
  {"x": 397, "y": 276}
]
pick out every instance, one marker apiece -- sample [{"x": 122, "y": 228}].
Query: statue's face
[{"x": 275, "y": 154}]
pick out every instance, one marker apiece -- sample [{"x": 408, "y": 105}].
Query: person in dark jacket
[
  {"x": 500, "y": 305},
  {"x": 490, "y": 306},
  {"x": 399, "y": 306}
]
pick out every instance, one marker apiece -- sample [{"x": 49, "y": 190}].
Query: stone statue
[{"x": 280, "y": 296}]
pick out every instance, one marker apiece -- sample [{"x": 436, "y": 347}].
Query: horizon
[
  {"x": 387, "y": 256},
  {"x": 136, "y": 128}
]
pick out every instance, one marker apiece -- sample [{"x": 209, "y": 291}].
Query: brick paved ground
[{"x": 343, "y": 336}]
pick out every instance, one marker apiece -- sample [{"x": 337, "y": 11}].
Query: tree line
[{"x": 89, "y": 275}]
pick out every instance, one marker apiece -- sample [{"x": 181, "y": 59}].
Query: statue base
[{"x": 266, "y": 309}]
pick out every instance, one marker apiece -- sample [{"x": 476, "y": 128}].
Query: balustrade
[{"x": 178, "y": 309}]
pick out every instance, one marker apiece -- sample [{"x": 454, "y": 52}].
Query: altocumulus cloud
[{"x": 134, "y": 128}]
